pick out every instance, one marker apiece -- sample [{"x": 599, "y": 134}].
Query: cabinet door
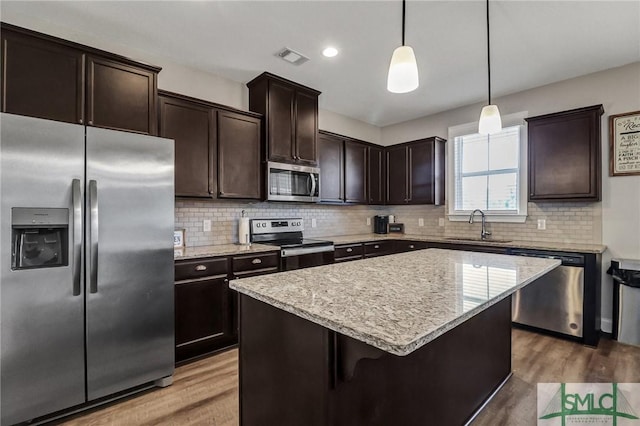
[
  {"x": 306, "y": 127},
  {"x": 331, "y": 164},
  {"x": 121, "y": 97},
  {"x": 42, "y": 79},
  {"x": 190, "y": 125},
  {"x": 239, "y": 166},
  {"x": 280, "y": 121},
  {"x": 375, "y": 172},
  {"x": 355, "y": 175},
  {"x": 202, "y": 317},
  {"x": 564, "y": 156},
  {"x": 420, "y": 173},
  {"x": 396, "y": 175}
]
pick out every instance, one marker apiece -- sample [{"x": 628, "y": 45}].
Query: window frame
[{"x": 520, "y": 215}]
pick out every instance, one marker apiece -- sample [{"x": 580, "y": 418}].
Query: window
[{"x": 488, "y": 172}]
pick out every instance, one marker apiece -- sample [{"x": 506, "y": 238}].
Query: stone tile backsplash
[{"x": 566, "y": 222}]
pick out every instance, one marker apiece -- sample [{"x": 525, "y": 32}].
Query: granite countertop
[
  {"x": 400, "y": 302},
  {"x": 539, "y": 245},
  {"x": 220, "y": 250}
]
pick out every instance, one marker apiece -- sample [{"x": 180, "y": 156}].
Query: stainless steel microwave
[{"x": 290, "y": 182}]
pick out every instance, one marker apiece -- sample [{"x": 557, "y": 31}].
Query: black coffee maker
[{"x": 381, "y": 224}]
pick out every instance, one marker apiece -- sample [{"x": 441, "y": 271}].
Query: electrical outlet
[
  {"x": 441, "y": 221},
  {"x": 206, "y": 225},
  {"x": 313, "y": 222},
  {"x": 420, "y": 221},
  {"x": 369, "y": 221},
  {"x": 542, "y": 224}
]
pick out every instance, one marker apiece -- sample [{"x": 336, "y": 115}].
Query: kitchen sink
[{"x": 477, "y": 240}]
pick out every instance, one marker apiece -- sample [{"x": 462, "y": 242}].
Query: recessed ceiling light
[{"x": 330, "y": 52}]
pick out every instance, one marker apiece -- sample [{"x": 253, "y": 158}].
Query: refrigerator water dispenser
[{"x": 39, "y": 238}]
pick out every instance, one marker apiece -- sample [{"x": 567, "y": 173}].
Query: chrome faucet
[{"x": 483, "y": 233}]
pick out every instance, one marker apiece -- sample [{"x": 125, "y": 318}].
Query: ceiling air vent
[{"x": 292, "y": 56}]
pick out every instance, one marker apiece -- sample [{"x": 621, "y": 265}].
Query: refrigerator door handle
[
  {"x": 77, "y": 234},
  {"x": 93, "y": 236}
]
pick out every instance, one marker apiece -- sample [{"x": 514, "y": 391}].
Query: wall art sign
[{"x": 624, "y": 144}]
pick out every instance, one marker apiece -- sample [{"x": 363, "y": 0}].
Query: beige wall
[{"x": 618, "y": 90}]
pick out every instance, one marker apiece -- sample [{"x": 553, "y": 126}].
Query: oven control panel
[{"x": 271, "y": 226}]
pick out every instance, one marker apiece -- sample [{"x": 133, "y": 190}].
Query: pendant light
[
  {"x": 490, "y": 121},
  {"x": 403, "y": 70}
]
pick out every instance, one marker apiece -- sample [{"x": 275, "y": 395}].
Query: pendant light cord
[
  {"x": 488, "y": 54},
  {"x": 403, "y": 15}
]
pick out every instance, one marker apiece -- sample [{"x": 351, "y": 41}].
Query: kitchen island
[{"x": 414, "y": 338}]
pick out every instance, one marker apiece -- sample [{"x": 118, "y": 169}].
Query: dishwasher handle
[{"x": 567, "y": 259}]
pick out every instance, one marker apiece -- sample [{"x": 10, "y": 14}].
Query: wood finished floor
[{"x": 205, "y": 392}]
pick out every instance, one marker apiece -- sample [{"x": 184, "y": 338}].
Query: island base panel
[{"x": 293, "y": 372}]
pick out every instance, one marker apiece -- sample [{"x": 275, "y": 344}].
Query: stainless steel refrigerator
[{"x": 86, "y": 262}]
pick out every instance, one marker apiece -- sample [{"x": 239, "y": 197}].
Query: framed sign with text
[{"x": 624, "y": 144}]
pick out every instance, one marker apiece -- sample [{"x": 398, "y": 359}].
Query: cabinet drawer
[
  {"x": 253, "y": 262},
  {"x": 348, "y": 250},
  {"x": 378, "y": 248},
  {"x": 198, "y": 268},
  {"x": 403, "y": 246}
]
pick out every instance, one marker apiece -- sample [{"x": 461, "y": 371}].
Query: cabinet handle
[
  {"x": 376, "y": 246},
  {"x": 81, "y": 121},
  {"x": 256, "y": 261},
  {"x": 201, "y": 268},
  {"x": 91, "y": 122},
  {"x": 349, "y": 250},
  {"x": 411, "y": 246}
]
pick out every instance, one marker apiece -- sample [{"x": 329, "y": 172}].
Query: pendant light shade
[
  {"x": 490, "y": 121},
  {"x": 403, "y": 70}
]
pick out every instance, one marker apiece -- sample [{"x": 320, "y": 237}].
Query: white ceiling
[{"x": 533, "y": 43}]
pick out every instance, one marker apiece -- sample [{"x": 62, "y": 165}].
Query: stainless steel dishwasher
[{"x": 554, "y": 301}]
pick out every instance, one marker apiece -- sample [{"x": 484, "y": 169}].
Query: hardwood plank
[{"x": 205, "y": 392}]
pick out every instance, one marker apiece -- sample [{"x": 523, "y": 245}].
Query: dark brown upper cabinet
[
  {"x": 290, "y": 112},
  {"x": 355, "y": 172},
  {"x": 564, "y": 155},
  {"x": 42, "y": 79},
  {"x": 343, "y": 169},
  {"x": 415, "y": 172},
  {"x": 376, "y": 183},
  {"x": 217, "y": 149},
  {"x": 331, "y": 163},
  {"x": 120, "y": 96},
  {"x": 239, "y": 165},
  {"x": 51, "y": 78},
  {"x": 190, "y": 125}
]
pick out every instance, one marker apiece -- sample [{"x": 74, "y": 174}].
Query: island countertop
[{"x": 401, "y": 302}]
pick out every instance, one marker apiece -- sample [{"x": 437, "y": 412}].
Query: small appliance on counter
[
  {"x": 626, "y": 300},
  {"x": 381, "y": 224},
  {"x": 396, "y": 228}
]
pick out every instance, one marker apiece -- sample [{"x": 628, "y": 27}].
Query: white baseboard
[{"x": 606, "y": 325}]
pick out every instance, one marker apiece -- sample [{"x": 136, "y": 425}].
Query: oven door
[
  {"x": 298, "y": 258},
  {"x": 288, "y": 182}
]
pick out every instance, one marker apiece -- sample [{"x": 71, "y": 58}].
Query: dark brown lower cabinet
[
  {"x": 295, "y": 372},
  {"x": 202, "y": 317},
  {"x": 346, "y": 252},
  {"x": 206, "y": 309},
  {"x": 379, "y": 248},
  {"x": 203, "y": 313}
]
